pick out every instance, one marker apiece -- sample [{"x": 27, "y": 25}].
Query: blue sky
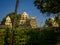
[{"x": 8, "y": 6}]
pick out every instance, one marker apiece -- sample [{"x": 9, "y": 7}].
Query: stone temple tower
[
  {"x": 33, "y": 22},
  {"x": 54, "y": 23},
  {"x": 26, "y": 22},
  {"x": 8, "y": 22},
  {"x": 23, "y": 20}
]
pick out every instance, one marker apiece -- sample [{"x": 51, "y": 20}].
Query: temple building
[
  {"x": 25, "y": 21},
  {"x": 33, "y": 22},
  {"x": 28, "y": 22},
  {"x": 54, "y": 23},
  {"x": 8, "y": 22}
]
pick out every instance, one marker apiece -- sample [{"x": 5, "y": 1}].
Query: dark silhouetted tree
[{"x": 48, "y": 6}]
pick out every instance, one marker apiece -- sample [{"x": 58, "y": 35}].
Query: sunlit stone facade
[
  {"x": 27, "y": 22},
  {"x": 54, "y": 23},
  {"x": 8, "y": 22},
  {"x": 24, "y": 18},
  {"x": 33, "y": 22}
]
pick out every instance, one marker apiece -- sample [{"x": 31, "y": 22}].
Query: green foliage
[
  {"x": 2, "y": 36},
  {"x": 21, "y": 36},
  {"x": 48, "y": 6},
  {"x": 48, "y": 36},
  {"x": 48, "y": 22},
  {"x": 7, "y": 37},
  {"x": 43, "y": 37}
]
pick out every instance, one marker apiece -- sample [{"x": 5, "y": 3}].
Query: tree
[
  {"x": 7, "y": 36},
  {"x": 48, "y": 6},
  {"x": 2, "y": 36},
  {"x": 48, "y": 23},
  {"x": 20, "y": 36},
  {"x": 14, "y": 23}
]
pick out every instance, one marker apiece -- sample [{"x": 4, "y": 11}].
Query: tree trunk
[{"x": 14, "y": 23}]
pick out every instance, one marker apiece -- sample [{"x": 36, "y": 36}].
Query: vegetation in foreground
[{"x": 31, "y": 36}]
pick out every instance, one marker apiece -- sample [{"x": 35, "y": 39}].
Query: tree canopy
[{"x": 48, "y": 6}]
